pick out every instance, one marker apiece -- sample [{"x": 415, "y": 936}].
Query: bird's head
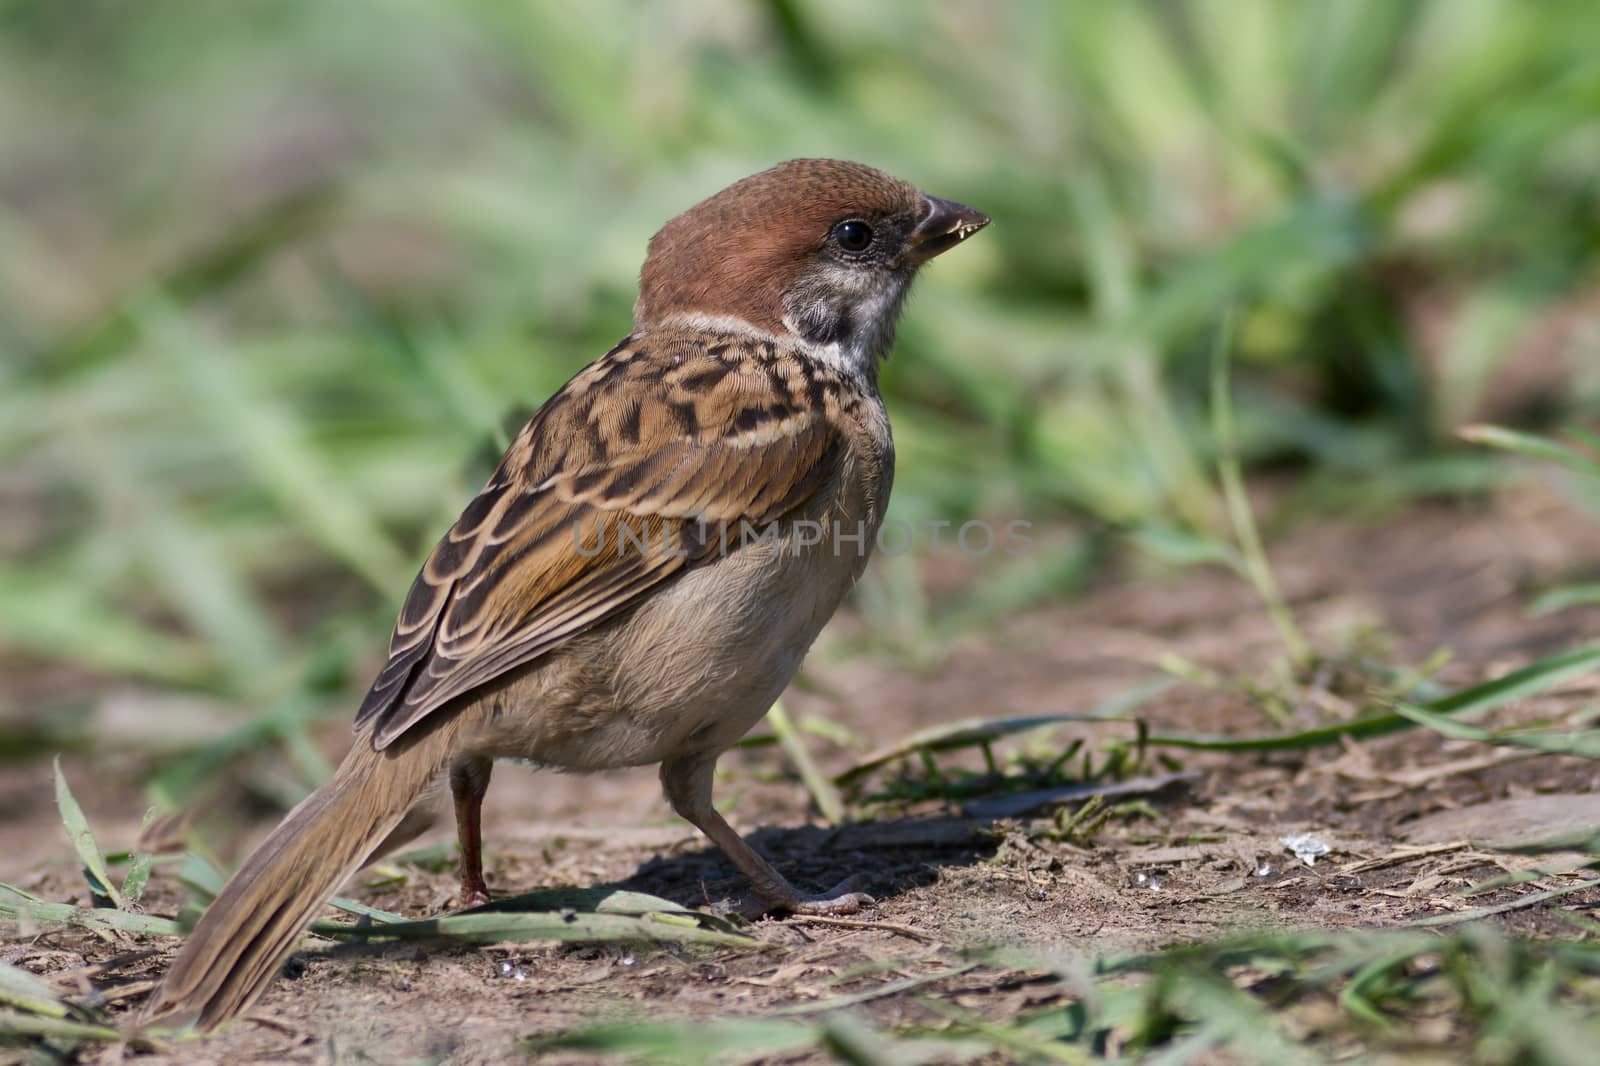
[{"x": 819, "y": 249}]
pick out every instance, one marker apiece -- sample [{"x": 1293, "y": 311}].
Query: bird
[{"x": 646, "y": 567}]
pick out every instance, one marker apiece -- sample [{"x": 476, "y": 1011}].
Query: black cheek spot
[
  {"x": 828, "y": 328},
  {"x": 844, "y": 324}
]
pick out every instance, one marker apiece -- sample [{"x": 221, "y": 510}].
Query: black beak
[{"x": 946, "y": 225}]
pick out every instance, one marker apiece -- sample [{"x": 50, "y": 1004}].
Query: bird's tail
[{"x": 243, "y": 937}]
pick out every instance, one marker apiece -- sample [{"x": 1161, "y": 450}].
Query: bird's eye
[{"x": 853, "y": 235}]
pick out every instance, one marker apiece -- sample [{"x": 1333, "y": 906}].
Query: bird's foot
[
  {"x": 844, "y": 898},
  {"x": 472, "y": 894}
]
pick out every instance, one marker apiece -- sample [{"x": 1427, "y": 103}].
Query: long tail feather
[{"x": 244, "y": 936}]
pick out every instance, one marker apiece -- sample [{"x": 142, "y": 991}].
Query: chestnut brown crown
[{"x": 819, "y": 248}]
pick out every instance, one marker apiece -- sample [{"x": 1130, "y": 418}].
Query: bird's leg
[
  {"x": 687, "y": 783},
  {"x": 469, "y": 783}
]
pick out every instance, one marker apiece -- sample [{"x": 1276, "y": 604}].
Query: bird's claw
[{"x": 844, "y": 898}]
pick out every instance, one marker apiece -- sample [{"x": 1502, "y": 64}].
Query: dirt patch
[{"x": 1193, "y": 862}]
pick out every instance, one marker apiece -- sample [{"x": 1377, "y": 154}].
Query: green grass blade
[
  {"x": 599, "y": 900},
  {"x": 133, "y": 885},
  {"x": 1136, "y": 368},
  {"x": 687, "y": 1044},
  {"x": 855, "y": 1043},
  {"x": 1244, "y": 1023},
  {"x": 362, "y": 910},
  {"x": 1536, "y": 677},
  {"x": 495, "y": 927},
  {"x": 1583, "y": 743},
  {"x": 1520, "y": 903},
  {"x": 139, "y": 865},
  {"x": 83, "y": 842},
  {"x": 1529, "y": 680},
  {"x": 562, "y": 901},
  {"x": 969, "y": 732},
  {"x": 1181, "y": 547},
  {"x": 1531, "y": 446},
  {"x": 19, "y": 906},
  {"x": 201, "y": 877},
  {"x": 823, "y": 791},
  {"x": 1562, "y": 598},
  {"x": 24, "y": 990},
  {"x": 1230, "y": 472},
  {"x": 13, "y": 1023}
]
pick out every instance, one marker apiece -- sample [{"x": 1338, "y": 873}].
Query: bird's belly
[{"x": 691, "y": 669}]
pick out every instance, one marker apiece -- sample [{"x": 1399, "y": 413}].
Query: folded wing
[{"x": 625, "y": 478}]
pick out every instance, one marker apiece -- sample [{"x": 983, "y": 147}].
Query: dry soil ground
[{"x": 1404, "y": 816}]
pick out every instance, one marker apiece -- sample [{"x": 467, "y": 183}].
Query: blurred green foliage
[{"x": 273, "y": 273}]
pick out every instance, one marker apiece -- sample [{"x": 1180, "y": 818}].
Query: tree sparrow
[{"x": 630, "y": 587}]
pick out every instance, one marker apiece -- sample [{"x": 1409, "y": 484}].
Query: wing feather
[{"x": 619, "y": 483}]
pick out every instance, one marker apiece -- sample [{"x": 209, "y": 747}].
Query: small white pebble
[{"x": 1306, "y": 847}]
